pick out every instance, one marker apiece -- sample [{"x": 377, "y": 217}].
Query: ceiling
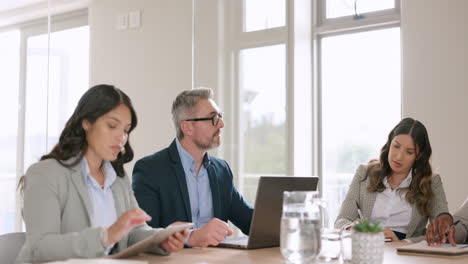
[{"x": 6, "y": 5}]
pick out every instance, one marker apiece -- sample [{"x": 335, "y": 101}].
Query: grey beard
[{"x": 211, "y": 145}]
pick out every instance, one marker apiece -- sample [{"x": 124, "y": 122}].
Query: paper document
[
  {"x": 150, "y": 242},
  {"x": 445, "y": 245},
  {"x": 99, "y": 261},
  {"x": 443, "y": 250}
]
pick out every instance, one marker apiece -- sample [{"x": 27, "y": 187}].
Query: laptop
[{"x": 266, "y": 219}]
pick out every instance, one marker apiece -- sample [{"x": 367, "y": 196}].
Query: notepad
[{"x": 446, "y": 250}]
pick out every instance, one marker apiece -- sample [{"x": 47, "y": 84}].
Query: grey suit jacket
[
  {"x": 57, "y": 213},
  {"x": 461, "y": 229},
  {"x": 358, "y": 193}
]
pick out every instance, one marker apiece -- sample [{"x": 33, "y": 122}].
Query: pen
[
  {"x": 359, "y": 211},
  {"x": 452, "y": 225}
]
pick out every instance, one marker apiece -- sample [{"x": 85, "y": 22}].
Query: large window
[
  {"x": 314, "y": 88},
  {"x": 361, "y": 99},
  {"x": 262, "y": 93},
  {"x": 359, "y": 87},
  {"x": 44, "y": 75},
  {"x": 261, "y": 132}
]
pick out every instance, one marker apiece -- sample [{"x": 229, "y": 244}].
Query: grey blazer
[
  {"x": 57, "y": 213},
  {"x": 358, "y": 193},
  {"x": 461, "y": 230}
]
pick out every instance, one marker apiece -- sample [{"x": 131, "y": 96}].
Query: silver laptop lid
[{"x": 266, "y": 219}]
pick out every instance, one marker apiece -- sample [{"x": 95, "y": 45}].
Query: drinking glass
[
  {"x": 331, "y": 244},
  {"x": 346, "y": 246}
]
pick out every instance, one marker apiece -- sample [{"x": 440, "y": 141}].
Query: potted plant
[{"x": 367, "y": 243}]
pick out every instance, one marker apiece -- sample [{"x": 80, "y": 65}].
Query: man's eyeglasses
[{"x": 214, "y": 120}]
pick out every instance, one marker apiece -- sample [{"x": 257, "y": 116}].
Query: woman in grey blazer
[
  {"x": 399, "y": 190},
  {"x": 78, "y": 202}
]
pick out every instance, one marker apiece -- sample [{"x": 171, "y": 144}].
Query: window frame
[
  {"x": 334, "y": 27},
  {"x": 369, "y": 18}
]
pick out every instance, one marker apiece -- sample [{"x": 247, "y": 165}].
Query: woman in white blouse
[{"x": 398, "y": 190}]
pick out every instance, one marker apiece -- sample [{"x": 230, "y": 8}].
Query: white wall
[
  {"x": 435, "y": 84},
  {"x": 152, "y": 64}
]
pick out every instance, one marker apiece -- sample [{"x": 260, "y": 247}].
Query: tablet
[{"x": 150, "y": 241}]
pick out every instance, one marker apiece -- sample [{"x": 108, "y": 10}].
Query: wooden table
[{"x": 273, "y": 256}]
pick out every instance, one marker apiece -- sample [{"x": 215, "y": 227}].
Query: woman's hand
[
  {"x": 125, "y": 223},
  {"x": 388, "y": 233},
  {"x": 175, "y": 242}
]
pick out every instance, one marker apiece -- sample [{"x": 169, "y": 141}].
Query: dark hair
[
  {"x": 420, "y": 189},
  {"x": 96, "y": 102}
]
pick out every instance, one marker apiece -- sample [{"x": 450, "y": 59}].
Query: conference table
[{"x": 273, "y": 255}]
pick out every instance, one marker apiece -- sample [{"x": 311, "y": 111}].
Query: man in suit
[
  {"x": 443, "y": 230},
  {"x": 184, "y": 183}
]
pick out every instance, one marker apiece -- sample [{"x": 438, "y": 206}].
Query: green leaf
[{"x": 365, "y": 226}]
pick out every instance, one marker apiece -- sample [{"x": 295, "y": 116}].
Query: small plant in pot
[{"x": 367, "y": 243}]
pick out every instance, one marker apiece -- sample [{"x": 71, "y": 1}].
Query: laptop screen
[{"x": 266, "y": 219}]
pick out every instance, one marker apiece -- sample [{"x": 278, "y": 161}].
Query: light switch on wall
[
  {"x": 122, "y": 22},
  {"x": 134, "y": 19}
]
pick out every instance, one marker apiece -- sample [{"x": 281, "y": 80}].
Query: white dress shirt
[
  {"x": 391, "y": 208},
  {"x": 102, "y": 199}
]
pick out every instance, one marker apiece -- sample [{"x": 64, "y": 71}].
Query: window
[
  {"x": 262, "y": 93},
  {"x": 359, "y": 107},
  {"x": 45, "y": 76},
  {"x": 359, "y": 88},
  {"x": 260, "y": 51},
  {"x": 308, "y": 87}
]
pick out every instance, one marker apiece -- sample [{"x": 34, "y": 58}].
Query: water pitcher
[{"x": 301, "y": 224}]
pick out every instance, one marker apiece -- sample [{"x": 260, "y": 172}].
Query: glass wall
[
  {"x": 45, "y": 70},
  {"x": 9, "y": 83}
]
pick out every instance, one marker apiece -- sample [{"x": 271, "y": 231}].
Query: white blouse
[{"x": 391, "y": 208}]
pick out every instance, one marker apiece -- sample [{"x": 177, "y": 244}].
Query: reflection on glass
[
  {"x": 339, "y": 8},
  {"x": 9, "y": 70},
  {"x": 262, "y": 114},
  {"x": 361, "y": 103},
  {"x": 264, "y": 14},
  {"x": 47, "y": 111}
]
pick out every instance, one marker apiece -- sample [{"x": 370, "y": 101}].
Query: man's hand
[
  {"x": 436, "y": 233},
  {"x": 210, "y": 234},
  {"x": 175, "y": 242}
]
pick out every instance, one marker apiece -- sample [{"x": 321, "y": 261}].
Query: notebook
[
  {"x": 266, "y": 219},
  {"x": 422, "y": 248}
]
